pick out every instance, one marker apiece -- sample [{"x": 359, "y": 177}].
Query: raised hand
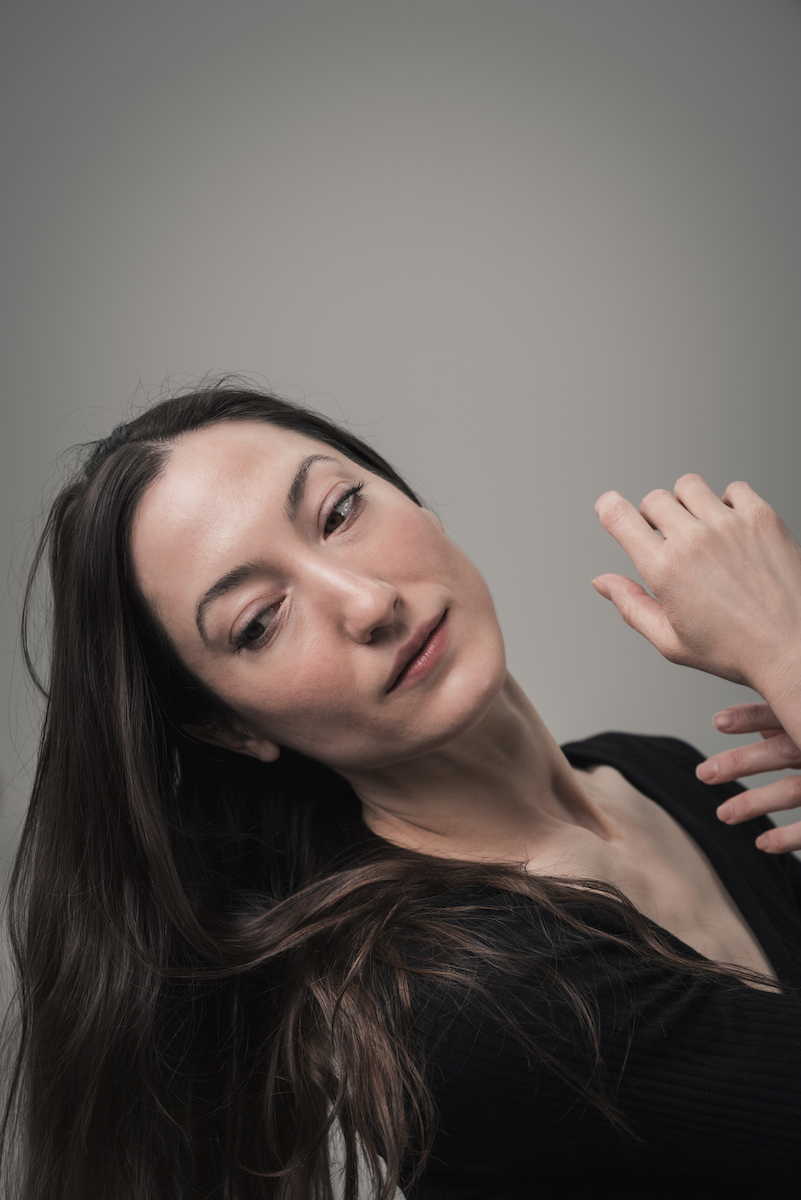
[
  {"x": 777, "y": 751},
  {"x": 725, "y": 576}
]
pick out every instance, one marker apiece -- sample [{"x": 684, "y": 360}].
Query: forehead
[
  {"x": 226, "y": 464},
  {"x": 230, "y": 455}
]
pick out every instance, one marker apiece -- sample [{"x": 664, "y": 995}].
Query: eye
[
  {"x": 256, "y": 632},
  {"x": 343, "y": 510}
]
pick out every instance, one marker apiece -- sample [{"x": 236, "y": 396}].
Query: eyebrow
[
  {"x": 294, "y": 497},
  {"x": 239, "y": 575}
]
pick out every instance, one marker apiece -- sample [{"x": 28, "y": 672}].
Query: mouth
[{"x": 420, "y": 653}]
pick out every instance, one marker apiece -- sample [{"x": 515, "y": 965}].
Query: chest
[{"x": 666, "y": 875}]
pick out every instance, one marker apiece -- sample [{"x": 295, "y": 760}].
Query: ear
[{"x": 231, "y": 737}]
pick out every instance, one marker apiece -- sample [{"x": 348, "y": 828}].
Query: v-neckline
[{"x": 697, "y": 823}]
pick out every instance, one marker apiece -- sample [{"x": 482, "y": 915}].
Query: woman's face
[{"x": 330, "y": 612}]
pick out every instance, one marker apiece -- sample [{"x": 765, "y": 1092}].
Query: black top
[{"x": 706, "y": 1074}]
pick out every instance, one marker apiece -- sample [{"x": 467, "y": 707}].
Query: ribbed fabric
[{"x": 707, "y": 1075}]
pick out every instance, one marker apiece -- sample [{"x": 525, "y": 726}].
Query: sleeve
[{"x": 701, "y": 1077}]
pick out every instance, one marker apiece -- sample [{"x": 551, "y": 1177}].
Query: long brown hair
[{"x": 216, "y": 958}]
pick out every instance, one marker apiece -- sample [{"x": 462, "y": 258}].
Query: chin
[
  {"x": 458, "y": 705},
  {"x": 470, "y": 692}
]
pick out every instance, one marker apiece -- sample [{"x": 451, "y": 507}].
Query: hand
[
  {"x": 726, "y": 582},
  {"x": 776, "y": 751}
]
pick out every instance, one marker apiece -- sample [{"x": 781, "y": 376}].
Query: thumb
[{"x": 642, "y": 612}]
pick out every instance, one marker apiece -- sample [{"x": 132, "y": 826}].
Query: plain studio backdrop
[{"x": 531, "y": 250}]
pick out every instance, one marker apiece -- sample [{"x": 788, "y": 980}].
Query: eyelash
[
  {"x": 241, "y": 641},
  {"x": 355, "y": 492}
]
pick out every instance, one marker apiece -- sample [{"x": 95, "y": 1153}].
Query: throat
[{"x": 499, "y": 793}]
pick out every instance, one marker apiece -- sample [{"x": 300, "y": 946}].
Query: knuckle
[
  {"x": 748, "y": 807},
  {"x": 764, "y": 519},
  {"x": 689, "y": 477},
  {"x": 736, "y": 762},
  {"x": 654, "y": 494},
  {"x": 751, "y": 713},
  {"x": 745, "y": 493},
  {"x": 792, "y": 785},
  {"x": 615, "y": 510}
]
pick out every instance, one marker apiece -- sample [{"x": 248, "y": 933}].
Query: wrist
[{"x": 779, "y": 684}]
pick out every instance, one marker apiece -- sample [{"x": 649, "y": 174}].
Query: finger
[
  {"x": 642, "y": 612},
  {"x": 758, "y": 802},
  {"x": 628, "y": 527},
  {"x": 698, "y": 498},
  {"x": 746, "y": 718},
  {"x": 741, "y": 495},
  {"x": 662, "y": 510},
  {"x": 774, "y": 754},
  {"x": 780, "y": 840}
]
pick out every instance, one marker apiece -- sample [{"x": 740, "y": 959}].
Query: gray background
[{"x": 532, "y": 250}]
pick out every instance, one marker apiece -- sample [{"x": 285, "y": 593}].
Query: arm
[{"x": 726, "y": 582}]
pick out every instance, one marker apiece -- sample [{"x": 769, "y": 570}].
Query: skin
[
  {"x": 455, "y": 763},
  {"x": 725, "y": 574}
]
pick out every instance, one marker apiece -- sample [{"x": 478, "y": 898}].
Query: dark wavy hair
[{"x": 217, "y": 960}]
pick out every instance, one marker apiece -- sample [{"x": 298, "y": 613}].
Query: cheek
[
  {"x": 305, "y": 702},
  {"x": 418, "y": 550}
]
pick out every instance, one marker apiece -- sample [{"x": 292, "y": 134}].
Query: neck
[{"x": 498, "y": 793}]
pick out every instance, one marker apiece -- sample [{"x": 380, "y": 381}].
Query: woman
[{"x": 303, "y": 863}]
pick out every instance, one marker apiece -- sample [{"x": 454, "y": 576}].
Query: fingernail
[
  {"x": 723, "y": 720},
  {"x": 601, "y": 587},
  {"x": 724, "y": 812},
  {"x": 762, "y": 842},
  {"x": 707, "y": 771}
]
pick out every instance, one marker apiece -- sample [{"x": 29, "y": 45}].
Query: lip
[{"x": 420, "y": 653}]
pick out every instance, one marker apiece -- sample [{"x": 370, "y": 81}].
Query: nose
[{"x": 361, "y": 604}]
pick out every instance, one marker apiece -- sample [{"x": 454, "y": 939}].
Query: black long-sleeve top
[{"x": 706, "y": 1074}]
